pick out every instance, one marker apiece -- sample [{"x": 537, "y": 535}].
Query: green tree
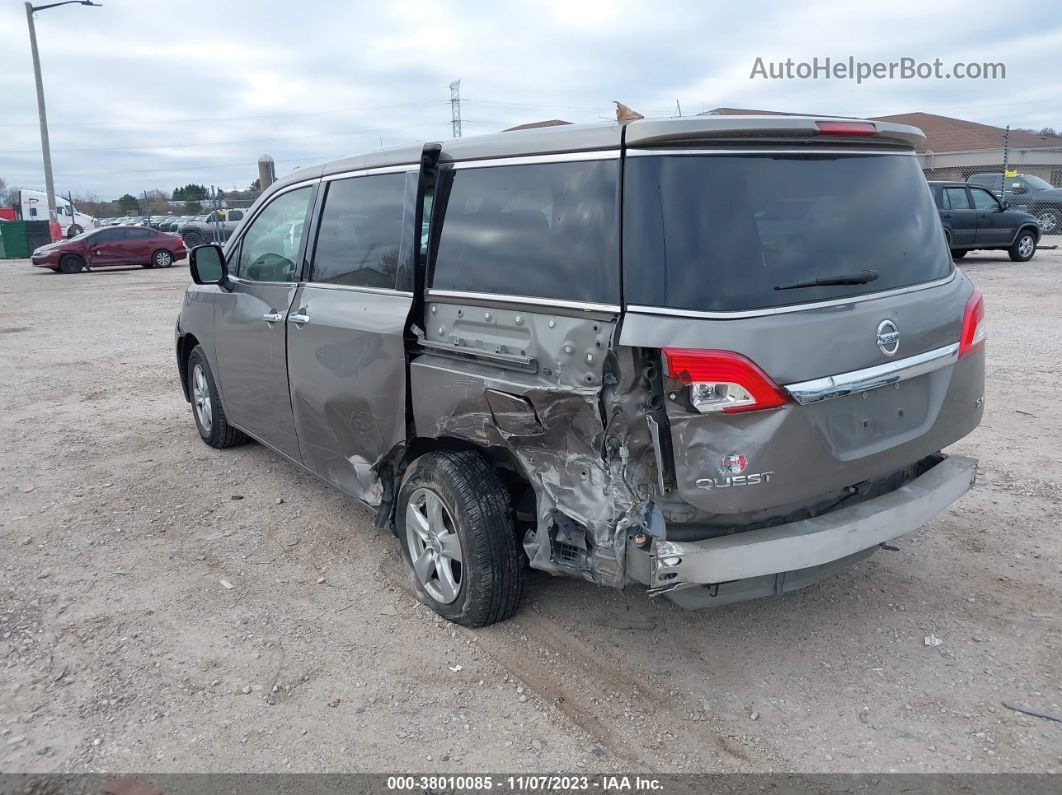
[
  {"x": 190, "y": 192},
  {"x": 128, "y": 205}
]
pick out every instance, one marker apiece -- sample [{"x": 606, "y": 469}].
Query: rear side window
[
  {"x": 956, "y": 199},
  {"x": 543, "y": 231},
  {"x": 738, "y": 232},
  {"x": 361, "y": 232}
]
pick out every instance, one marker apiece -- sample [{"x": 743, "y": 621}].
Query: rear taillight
[
  {"x": 973, "y": 325},
  {"x": 722, "y": 381},
  {"x": 180, "y": 240},
  {"x": 846, "y": 128}
]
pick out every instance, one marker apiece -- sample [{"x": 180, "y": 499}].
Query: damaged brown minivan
[{"x": 718, "y": 357}]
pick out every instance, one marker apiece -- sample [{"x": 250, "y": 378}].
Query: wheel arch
[
  {"x": 1030, "y": 226},
  {"x": 185, "y": 345},
  {"x": 392, "y": 469}
]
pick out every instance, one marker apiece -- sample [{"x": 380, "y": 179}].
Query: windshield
[
  {"x": 724, "y": 232},
  {"x": 83, "y": 235},
  {"x": 1038, "y": 184}
]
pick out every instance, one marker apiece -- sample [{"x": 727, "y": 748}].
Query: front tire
[
  {"x": 193, "y": 238},
  {"x": 71, "y": 263},
  {"x": 74, "y": 230},
  {"x": 1023, "y": 248},
  {"x": 456, "y": 529},
  {"x": 958, "y": 253},
  {"x": 207, "y": 410}
]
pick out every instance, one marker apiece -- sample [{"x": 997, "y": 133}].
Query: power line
[{"x": 141, "y": 122}]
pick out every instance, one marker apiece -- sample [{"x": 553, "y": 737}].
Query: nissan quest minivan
[{"x": 719, "y": 357}]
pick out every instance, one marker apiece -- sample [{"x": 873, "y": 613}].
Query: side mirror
[
  {"x": 207, "y": 264},
  {"x": 1005, "y": 205}
]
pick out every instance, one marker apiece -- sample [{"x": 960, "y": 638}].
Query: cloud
[{"x": 155, "y": 94}]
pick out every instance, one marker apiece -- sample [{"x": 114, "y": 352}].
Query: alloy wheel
[
  {"x": 434, "y": 548},
  {"x": 204, "y": 411}
]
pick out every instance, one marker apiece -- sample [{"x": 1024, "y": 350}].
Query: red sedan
[{"x": 112, "y": 245}]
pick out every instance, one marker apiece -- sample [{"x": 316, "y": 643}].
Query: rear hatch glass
[{"x": 739, "y": 231}]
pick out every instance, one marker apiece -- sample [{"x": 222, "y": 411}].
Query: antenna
[{"x": 455, "y": 108}]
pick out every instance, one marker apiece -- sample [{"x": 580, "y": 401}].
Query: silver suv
[{"x": 719, "y": 357}]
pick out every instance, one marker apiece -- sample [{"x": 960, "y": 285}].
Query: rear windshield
[{"x": 722, "y": 232}]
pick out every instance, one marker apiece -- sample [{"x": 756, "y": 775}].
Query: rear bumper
[{"x": 809, "y": 549}]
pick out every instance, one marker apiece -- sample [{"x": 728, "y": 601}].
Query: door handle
[
  {"x": 272, "y": 317},
  {"x": 300, "y": 319}
]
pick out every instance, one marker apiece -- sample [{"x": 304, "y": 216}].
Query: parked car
[
  {"x": 203, "y": 229},
  {"x": 112, "y": 245},
  {"x": 973, "y": 218},
  {"x": 1027, "y": 192},
  {"x": 170, "y": 223},
  {"x": 754, "y": 395}
]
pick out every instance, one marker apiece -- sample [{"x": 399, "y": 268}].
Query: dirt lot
[{"x": 121, "y": 649}]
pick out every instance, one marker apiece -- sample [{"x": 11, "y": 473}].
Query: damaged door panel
[{"x": 551, "y": 421}]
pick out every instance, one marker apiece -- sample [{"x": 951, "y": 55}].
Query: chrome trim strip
[
  {"x": 358, "y": 289},
  {"x": 869, "y": 378},
  {"x": 524, "y": 160},
  {"x": 547, "y": 303},
  {"x": 368, "y": 172},
  {"x": 795, "y": 150},
  {"x": 781, "y": 310},
  {"x": 239, "y": 280}
]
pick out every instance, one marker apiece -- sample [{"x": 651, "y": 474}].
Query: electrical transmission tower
[{"x": 455, "y": 108}]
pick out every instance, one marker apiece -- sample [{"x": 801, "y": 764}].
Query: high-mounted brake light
[
  {"x": 722, "y": 381},
  {"x": 846, "y": 128},
  {"x": 974, "y": 331}
]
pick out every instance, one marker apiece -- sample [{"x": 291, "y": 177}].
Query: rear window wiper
[{"x": 860, "y": 277}]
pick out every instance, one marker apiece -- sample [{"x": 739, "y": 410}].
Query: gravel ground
[{"x": 122, "y": 648}]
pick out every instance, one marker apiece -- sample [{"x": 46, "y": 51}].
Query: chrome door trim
[
  {"x": 354, "y": 288},
  {"x": 864, "y": 380},
  {"x": 368, "y": 172},
  {"x": 781, "y": 310},
  {"x": 456, "y": 296},
  {"x": 525, "y": 160}
]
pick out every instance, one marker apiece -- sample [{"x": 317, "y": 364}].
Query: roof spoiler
[{"x": 703, "y": 129}]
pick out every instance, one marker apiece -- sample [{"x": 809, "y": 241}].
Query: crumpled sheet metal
[{"x": 561, "y": 456}]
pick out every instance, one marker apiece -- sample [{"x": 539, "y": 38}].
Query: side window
[
  {"x": 956, "y": 198},
  {"x": 942, "y": 200},
  {"x": 271, "y": 244},
  {"x": 546, "y": 231},
  {"x": 361, "y": 232},
  {"x": 108, "y": 236},
  {"x": 983, "y": 200}
]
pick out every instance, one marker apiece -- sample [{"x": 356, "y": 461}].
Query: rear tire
[
  {"x": 193, "y": 238},
  {"x": 207, "y": 410},
  {"x": 958, "y": 253},
  {"x": 1050, "y": 220},
  {"x": 71, "y": 263},
  {"x": 1023, "y": 248},
  {"x": 473, "y": 521},
  {"x": 74, "y": 230}
]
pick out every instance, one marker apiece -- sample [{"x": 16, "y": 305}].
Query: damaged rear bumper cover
[{"x": 786, "y": 557}]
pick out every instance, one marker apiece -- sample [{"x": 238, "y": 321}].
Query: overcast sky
[{"x": 147, "y": 93}]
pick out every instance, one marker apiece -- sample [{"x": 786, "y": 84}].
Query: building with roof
[{"x": 956, "y": 148}]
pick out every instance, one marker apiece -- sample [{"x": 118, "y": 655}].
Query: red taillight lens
[
  {"x": 974, "y": 331},
  {"x": 846, "y": 128},
  {"x": 722, "y": 381},
  {"x": 180, "y": 240}
]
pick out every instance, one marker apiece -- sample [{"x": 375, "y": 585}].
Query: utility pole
[
  {"x": 455, "y": 108},
  {"x": 678, "y": 109},
  {"x": 49, "y": 182},
  {"x": 1006, "y": 166}
]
